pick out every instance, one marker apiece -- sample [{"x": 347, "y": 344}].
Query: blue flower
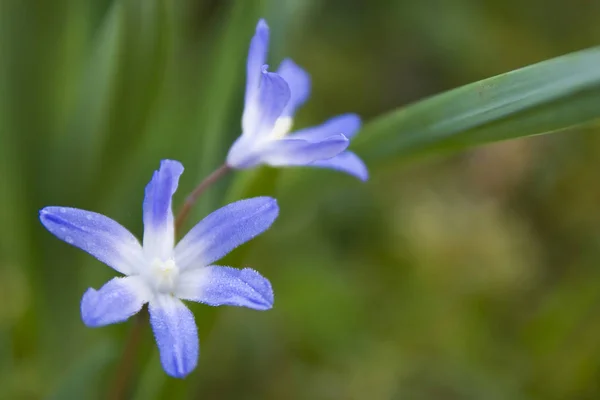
[
  {"x": 270, "y": 104},
  {"x": 160, "y": 273}
]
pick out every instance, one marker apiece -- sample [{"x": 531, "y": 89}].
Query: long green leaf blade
[{"x": 545, "y": 97}]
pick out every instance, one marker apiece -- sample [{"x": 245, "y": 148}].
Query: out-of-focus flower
[
  {"x": 270, "y": 104},
  {"x": 160, "y": 273}
]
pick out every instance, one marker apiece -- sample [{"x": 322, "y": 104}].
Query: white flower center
[
  {"x": 163, "y": 275},
  {"x": 282, "y": 127}
]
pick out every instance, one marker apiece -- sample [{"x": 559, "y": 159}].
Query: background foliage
[{"x": 470, "y": 276}]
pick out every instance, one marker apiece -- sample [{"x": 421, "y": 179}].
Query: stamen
[
  {"x": 282, "y": 127},
  {"x": 164, "y": 275}
]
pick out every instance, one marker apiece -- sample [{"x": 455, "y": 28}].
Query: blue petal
[
  {"x": 244, "y": 153},
  {"x": 299, "y": 82},
  {"x": 262, "y": 110},
  {"x": 95, "y": 234},
  {"x": 176, "y": 335},
  {"x": 159, "y": 230},
  {"x": 116, "y": 301},
  {"x": 226, "y": 286},
  {"x": 346, "y": 162},
  {"x": 288, "y": 152},
  {"x": 346, "y": 124},
  {"x": 224, "y": 230},
  {"x": 257, "y": 56},
  {"x": 260, "y": 114}
]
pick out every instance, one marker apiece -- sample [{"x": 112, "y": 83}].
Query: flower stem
[
  {"x": 191, "y": 199},
  {"x": 125, "y": 368}
]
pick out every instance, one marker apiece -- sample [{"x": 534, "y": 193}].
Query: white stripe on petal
[{"x": 159, "y": 229}]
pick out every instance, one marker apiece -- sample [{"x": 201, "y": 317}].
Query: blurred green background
[{"x": 474, "y": 276}]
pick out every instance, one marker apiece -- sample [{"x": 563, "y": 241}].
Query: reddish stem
[{"x": 191, "y": 199}]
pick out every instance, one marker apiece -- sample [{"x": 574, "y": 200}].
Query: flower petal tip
[
  {"x": 262, "y": 288},
  {"x": 268, "y": 201},
  {"x": 176, "y": 335},
  {"x": 360, "y": 172},
  {"x": 89, "y": 302},
  {"x": 340, "y": 139},
  {"x": 273, "y": 208},
  {"x": 43, "y": 215},
  {"x": 267, "y": 206},
  {"x": 353, "y": 119},
  {"x": 175, "y": 166},
  {"x": 179, "y": 371},
  {"x": 115, "y": 302},
  {"x": 48, "y": 211},
  {"x": 178, "y": 374},
  {"x": 262, "y": 26}
]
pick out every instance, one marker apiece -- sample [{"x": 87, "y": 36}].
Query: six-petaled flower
[
  {"x": 160, "y": 273},
  {"x": 270, "y": 104}
]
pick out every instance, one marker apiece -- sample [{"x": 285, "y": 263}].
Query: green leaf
[
  {"x": 120, "y": 87},
  {"x": 545, "y": 97},
  {"x": 87, "y": 133}
]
